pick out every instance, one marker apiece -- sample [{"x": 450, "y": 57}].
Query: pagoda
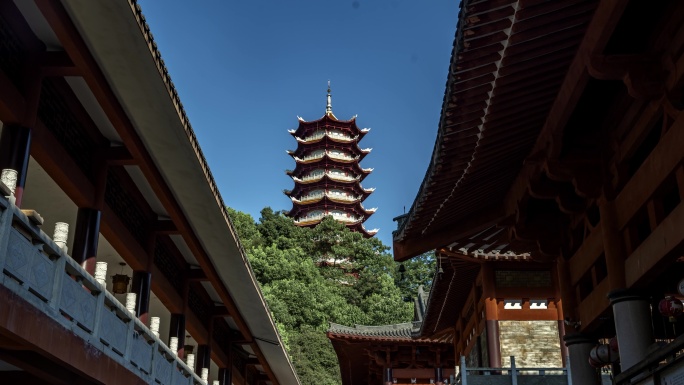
[{"x": 327, "y": 174}]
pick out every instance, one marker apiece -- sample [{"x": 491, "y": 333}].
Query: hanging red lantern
[
  {"x": 670, "y": 307},
  {"x": 594, "y": 363},
  {"x": 602, "y": 355}
]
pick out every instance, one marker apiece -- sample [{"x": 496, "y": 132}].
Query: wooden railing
[{"x": 40, "y": 272}]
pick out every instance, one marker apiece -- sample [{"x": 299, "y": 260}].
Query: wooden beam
[
  {"x": 658, "y": 166},
  {"x": 118, "y": 156},
  {"x": 164, "y": 227},
  {"x": 196, "y": 275},
  {"x": 221, "y": 312},
  {"x": 57, "y": 64},
  {"x": 586, "y": 255},
  {"x": 41, "y": 367},
  {"x": 548, "y": 143},
  {"x": 592, "y": 307},
  {"x": 12, "y": 103},
  {"x": 650, "y": 257}
]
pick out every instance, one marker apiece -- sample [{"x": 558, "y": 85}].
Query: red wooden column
[
  {"x": 15, "y": 149},
  {"x": 204, "y": 351},
  {"x": 177, "y": 329},
  {"x": 225, "y": 375},
  {"x": 203, "y": 357},
  {"x": 86, "y": 237},
  {"x": 559, "y": 313},
  {"x": 142, "y": 282},
  {"x": 491, "y": 316},
  {"x": 613, "y": 246},
  {"x": 177, "y": 326},
  {"x": 87, "y": 232}
]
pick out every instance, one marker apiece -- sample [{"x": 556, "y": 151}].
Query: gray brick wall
[{"x": 533, "y": 343}]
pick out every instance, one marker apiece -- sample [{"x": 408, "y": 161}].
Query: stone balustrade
[
  {"x": 511, "y": 375},
  {"x": 36, "y": 269}
]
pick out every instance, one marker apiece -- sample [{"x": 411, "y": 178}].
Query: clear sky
[{"x": 245, "y": 69}]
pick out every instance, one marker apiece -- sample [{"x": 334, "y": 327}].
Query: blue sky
[{"x": 245, "y": 69}]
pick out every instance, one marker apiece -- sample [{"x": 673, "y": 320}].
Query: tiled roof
[
  {"x": 508, "y": 62},
  {"x": 396, "y": 331}
]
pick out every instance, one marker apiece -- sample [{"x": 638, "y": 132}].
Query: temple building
[
  {"x": 558, "y": 176},
  {"x": 392, "y": 354},
  {"x": 327, "y": 174},
  {"x": 118, "y": 261}
]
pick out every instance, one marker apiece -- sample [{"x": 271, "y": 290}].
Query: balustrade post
[
  {"x": 388, "y": 380},
  {"x": 464, "y": 371},
  {"x": 155, "y": 357},
  {"x": 99, "y": 308},
  {"x": 60, "y": 273},
  {"x": 439, "y": 380},
  {"x": 514, "y": 372},
  {"x": 130, "y": 337}
]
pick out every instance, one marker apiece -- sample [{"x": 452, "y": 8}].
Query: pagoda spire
[{"x": 328, "y": 107}]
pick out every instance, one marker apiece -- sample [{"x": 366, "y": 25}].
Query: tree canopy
[{"x": 313, "y": 276}]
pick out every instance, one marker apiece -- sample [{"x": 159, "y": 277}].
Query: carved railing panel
[
  {"x": 141, "y": 355},
  {"x": 78, "y": 303},
  {"x": 113, "y": 332},
  {"x": 163, "y": 367}
]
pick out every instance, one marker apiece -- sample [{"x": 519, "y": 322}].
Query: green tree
[
  {"x": 420, "y": 270},
  {"x": 313, "y": 276}
]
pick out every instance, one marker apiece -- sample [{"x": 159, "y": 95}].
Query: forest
[{"x": 313, "y": 276}]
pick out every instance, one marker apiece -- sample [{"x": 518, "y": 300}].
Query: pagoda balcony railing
[
  {"x": 345, "y": 158},
  {"x": 334, "y": 176},
  {"x": 309, "y": 198},
  {"x": 344, "y": 198},
  {"x": 341, "y": 177},
  {"x": 311, "y": 177},
  {"x": 315, "y": 218},
  {"x": 37, "y": 270},
  {"x": 331, "y": 196},
  {"x": 319, "y": 156},
  {"x": 309, "y": 158},
  {"x": 336, "y": 136}
]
